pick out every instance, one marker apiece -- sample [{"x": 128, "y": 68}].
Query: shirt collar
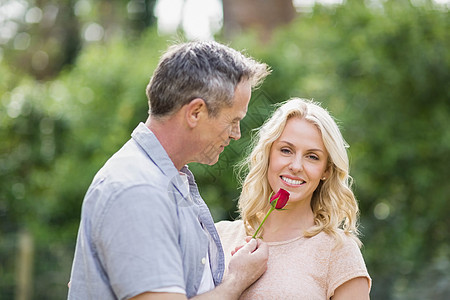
[
  {"x": 156, "y": 152},
  {"x": 153, "y": 148}
]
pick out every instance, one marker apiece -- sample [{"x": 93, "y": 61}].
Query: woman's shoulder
[
  {"x": 346, "y": 262},
  {"x": 336, "y": 241},
  {"x": 230, "y": 228},
  {"x": 340, "y": 245},
  {"x": 347, "y": 239},
  {"x": 232, "y": 234}
]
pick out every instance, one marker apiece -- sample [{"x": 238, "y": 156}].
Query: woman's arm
[{"x": 356, "y": 288}]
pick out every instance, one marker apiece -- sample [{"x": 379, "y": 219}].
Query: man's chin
[
  {"x": 208, "y": 159},
  {"x": 213, "y": 161}
]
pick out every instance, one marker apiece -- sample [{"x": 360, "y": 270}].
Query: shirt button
[{"x": 203, "y": 260}]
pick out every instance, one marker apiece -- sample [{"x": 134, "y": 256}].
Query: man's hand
[
  {"x": 247, "y": 264},
  {"x": 245, "y": 267},
  {"x": 247, "y": 239}
]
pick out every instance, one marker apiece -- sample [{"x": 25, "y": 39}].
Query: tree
[
  {"x": 262, "y": 16},
  {"x": 42, "y": 38},
  {"x": 382, "y": 72}
]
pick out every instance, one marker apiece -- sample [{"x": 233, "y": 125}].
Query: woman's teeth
[{"x": 292, "y": 181}]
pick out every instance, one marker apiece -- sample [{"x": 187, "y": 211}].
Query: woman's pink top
[{"x": 300, "y": 268}]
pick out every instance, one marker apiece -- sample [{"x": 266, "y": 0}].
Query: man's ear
[{"x": 194, "y": 110}]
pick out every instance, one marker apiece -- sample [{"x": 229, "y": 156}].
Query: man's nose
[{"x": 235, "y": 132}]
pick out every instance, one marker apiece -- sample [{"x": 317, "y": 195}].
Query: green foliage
[
  {"x": 56, "y": 136},
  {"x": 42, "y": 37},
  {"x": 382, "y": 72}
]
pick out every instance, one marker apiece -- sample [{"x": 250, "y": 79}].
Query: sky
[{"x": 201, "y": 19}]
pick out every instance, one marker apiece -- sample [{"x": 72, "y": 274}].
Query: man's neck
[{"x": 172, "y": 136}]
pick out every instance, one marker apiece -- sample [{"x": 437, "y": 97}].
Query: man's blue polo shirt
[{"x": 139, "y": 230}]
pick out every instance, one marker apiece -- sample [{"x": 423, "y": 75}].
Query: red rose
[
  {"x": 280, "y": 198},
  {"x": 277, "y": 201}
]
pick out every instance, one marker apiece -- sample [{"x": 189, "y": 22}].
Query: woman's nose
[{"x": 296, "y": 164}]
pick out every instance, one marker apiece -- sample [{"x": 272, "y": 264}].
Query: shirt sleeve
[
  {"x": 346, "y": 263},
  {"x": 137, "y": 241}
]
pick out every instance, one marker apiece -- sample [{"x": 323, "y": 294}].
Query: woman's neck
[{"x": 289, "y": 223}]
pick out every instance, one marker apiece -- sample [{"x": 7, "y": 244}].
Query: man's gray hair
[{"x": 204, "y": 69}]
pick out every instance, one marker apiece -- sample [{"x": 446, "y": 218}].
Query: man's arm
[{"x": 246, "y": 266}]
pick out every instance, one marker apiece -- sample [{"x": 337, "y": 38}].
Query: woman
[{"x": 313, "y": 244}]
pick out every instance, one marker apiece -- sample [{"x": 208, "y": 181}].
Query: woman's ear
[
  {"x": 194, "y": 111},
  {"x": 327, "y": 173}
]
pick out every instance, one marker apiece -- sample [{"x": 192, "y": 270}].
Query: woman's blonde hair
[{"x": 333, "y": 202}]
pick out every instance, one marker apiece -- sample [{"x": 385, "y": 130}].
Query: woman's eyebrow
[{"x": 292, "y": 145}]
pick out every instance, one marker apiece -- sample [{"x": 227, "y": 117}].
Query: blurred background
[{"x": 72, "y": 88}]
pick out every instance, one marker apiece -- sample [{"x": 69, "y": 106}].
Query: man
[{"x": 145, "y": 232}]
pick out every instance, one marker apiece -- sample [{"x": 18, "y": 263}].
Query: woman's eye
[
  {"x": 285, "y": 151},
  {"x": 314, "y": 157}
]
